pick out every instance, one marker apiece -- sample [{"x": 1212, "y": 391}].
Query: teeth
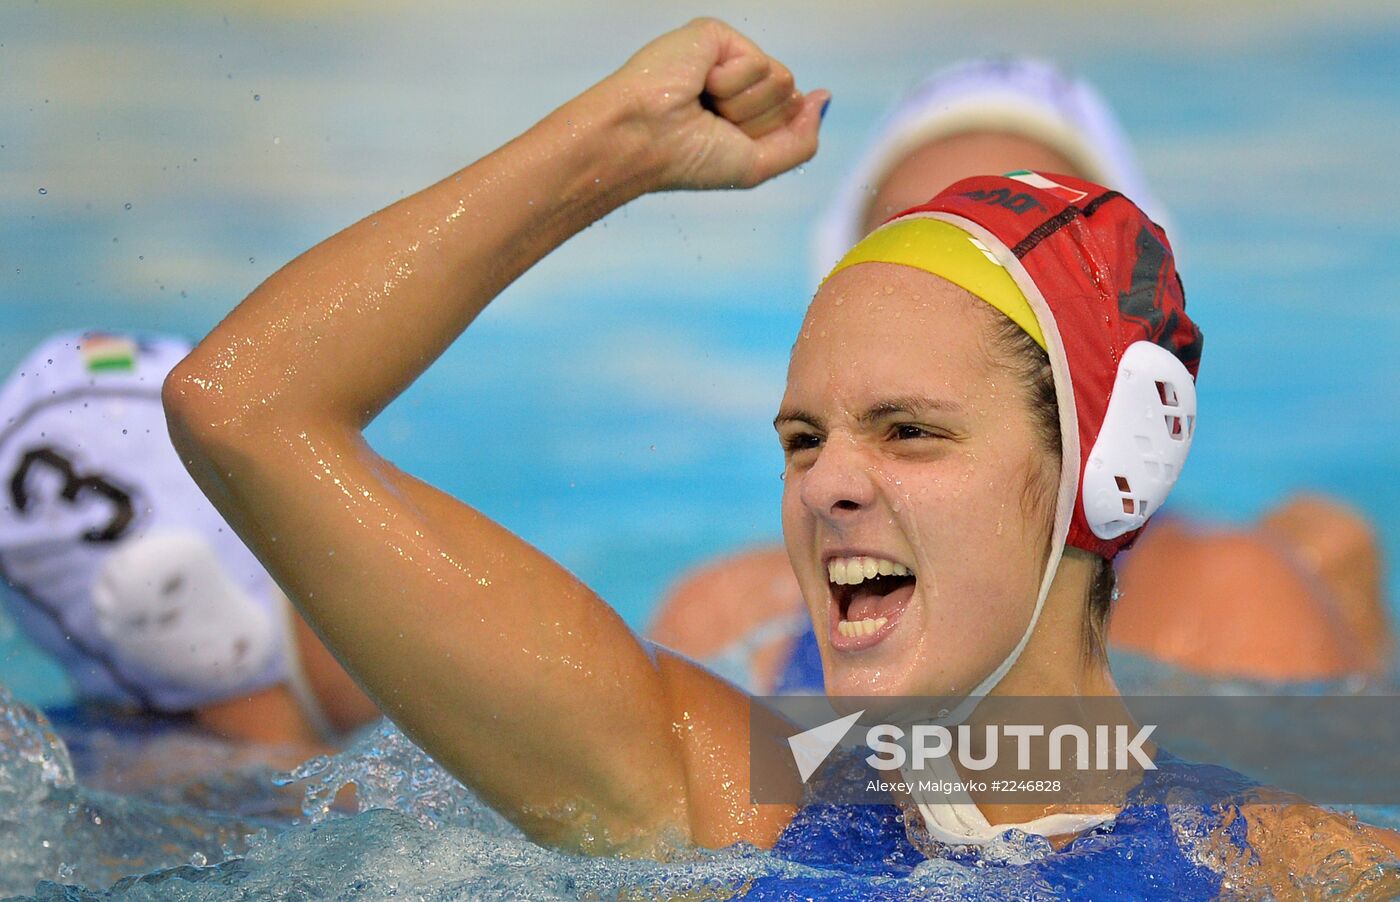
[
  {"x": 854, "y": 628},
  {"x": 851, "y": 571}
]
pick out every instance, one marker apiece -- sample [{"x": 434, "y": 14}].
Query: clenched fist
[{"x": 714, "y": 110}]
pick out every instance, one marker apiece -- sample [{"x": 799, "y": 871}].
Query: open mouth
[{"x": 868, "y": 594}]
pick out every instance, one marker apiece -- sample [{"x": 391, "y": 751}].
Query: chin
[
  {"x": 895, "y": 677},
  {"x": 912, "y": 678}
]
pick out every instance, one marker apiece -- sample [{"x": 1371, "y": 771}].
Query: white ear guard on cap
[
  {"x": 167, "y": 607},
  {"x": 1144, "y": 440}
]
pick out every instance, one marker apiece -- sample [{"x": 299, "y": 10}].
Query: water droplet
[
  {"x": 126, "y": 206},
  {"x": 43, "y": 191},
  {"x": 257, "y": 97},
  {"x": 199, "y": 859}
]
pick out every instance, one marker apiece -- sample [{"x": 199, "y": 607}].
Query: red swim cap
[{"x": 1106, "y": 273}]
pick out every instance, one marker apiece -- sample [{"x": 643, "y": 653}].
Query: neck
[
  {"x": 1056, "y": 664},
  {"x": 1056, "y": 661}
]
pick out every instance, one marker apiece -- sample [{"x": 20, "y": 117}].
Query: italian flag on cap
[
  {"x": 1035, "y": 179},
  {"x": 104, "y": 353}
]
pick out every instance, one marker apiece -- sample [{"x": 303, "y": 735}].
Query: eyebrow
[
  {"x": 907, "y": 404},
  {"x": 796, "y": 416}
]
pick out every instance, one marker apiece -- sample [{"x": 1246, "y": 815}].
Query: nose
[{"x": 839, "y": 484}]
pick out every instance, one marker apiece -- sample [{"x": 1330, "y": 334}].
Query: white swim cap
[
  {"x": 117, "y": 563},
  {"x": 1026, "y": 97}
]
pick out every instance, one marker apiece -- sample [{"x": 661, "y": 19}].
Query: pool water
[
  {"x": 248, "y": 832},
  {"x": 160, "y": 159}
]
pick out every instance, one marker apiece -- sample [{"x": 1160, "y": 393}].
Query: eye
[
  {"x": 793, "y": 442},
  {"x": 904, "y": 431}
]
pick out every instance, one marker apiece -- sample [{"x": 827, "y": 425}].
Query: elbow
[
  {"x": 222, "y": 424},
  {"x": 179, "y": 393},
  {"x": 198, "y": 414}
]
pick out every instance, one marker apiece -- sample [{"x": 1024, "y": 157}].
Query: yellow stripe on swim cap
[{"x": 947, "y": 251}]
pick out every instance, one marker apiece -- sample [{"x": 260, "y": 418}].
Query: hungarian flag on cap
[{"x": 106, "y": 353}]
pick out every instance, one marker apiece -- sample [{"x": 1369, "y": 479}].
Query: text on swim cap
[{"x": 1002, "y": 197}]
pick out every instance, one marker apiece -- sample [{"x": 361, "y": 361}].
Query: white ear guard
[
  {"x": 1144, "y": 440},
  {"x": 168, "y": 608}
]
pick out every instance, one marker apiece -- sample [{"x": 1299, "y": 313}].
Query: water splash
[
  {"x": 35, "y": 760},
  {"x": 386, "y": 770},
  {"x": 415, "y": 832},
  {"x": 53, "y": 827}
]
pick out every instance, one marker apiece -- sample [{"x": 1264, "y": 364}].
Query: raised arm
[{"x": 508, "y": 670}]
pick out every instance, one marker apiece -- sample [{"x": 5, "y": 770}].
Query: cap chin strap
[
  {"x": 961, "y": 823},
  {"x": 1135, "y": 461},
  {"x": 955, "y": 819}
]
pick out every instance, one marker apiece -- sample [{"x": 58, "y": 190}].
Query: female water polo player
[
  {"x": 935, "y": 436},
  {"x": 119, "y": 568},
  {"x": 1295, "y": 596}
]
